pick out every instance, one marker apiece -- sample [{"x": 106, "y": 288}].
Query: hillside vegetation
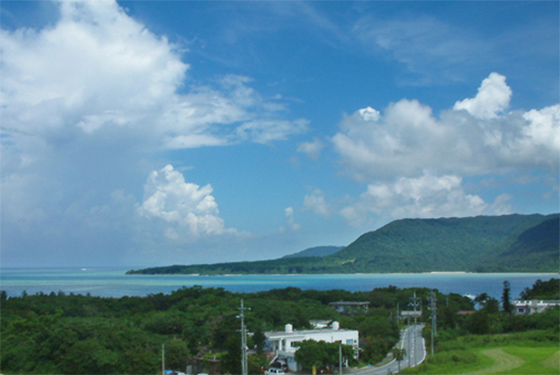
[
  {"x": 319, "y": 251},
  {"x": 495, "y": 340},
  {"x": 510, "y": 243},
  {"x": 76, "y": 334}
]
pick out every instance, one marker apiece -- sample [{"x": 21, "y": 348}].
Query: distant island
[{"x": 508, "y": 243}]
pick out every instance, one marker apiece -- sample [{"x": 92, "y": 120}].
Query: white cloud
[
  {"x": 543, "y": 130},
  {"x": 409, "y": 139},
  {"x": 193, "y": 141},
  {"x": 426, "y": 196},
  {"x": 291, "y": 224},
  {"x": 316, "y": 203},
  {"x": 96, "y": 68},
  {"x": 183, "y": 205},
  {"x": 88, "y": 101},
  {"x": 264, "y": 131},
  {"x": 369, "y": 114},
  {"x": 400, "y": 142},
  {"x": 311, "y": 149},
  {"x": 492, "y": 98},
  {"x": 414, "y": 162}
]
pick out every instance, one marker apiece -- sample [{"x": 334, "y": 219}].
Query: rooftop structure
[
  {"x": 285, "y": 343},
  {"x": 410, "y": 314},
  {"x": 533, "y": 306}
]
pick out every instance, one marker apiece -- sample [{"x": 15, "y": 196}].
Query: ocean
[{"x": 112, "y": 282}]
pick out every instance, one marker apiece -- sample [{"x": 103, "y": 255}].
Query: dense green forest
[
  {"x": 75, "y": 334},
  {"x": 318, "y": 251},
  {"x": 510, "y": 243}
]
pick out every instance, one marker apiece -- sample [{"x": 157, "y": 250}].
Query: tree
[
  {"x": 489, "y": 304},
  {"x": 311, "y": 353},
  {"x": 177, "y": 355},
  {"x": 481, "y": 299},
  {"x": 492, "y": 305},
  {"x": 542, "y": 290},
  {"x": 322, "y": 354},
  {"x": 478, "y": 323},
  {"x": 398, "y": 354},
  {"x": 231, "y": 362},
  {"x": 259, "y": 340},
  {"x": 506, "y": 305}
]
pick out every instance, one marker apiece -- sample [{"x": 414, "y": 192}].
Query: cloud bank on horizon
[{"x": 118, "y": 147}]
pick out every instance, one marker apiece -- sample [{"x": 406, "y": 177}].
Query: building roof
[
  {"x": 536, "y": 302},
  {"x": 306, "y": 332}
]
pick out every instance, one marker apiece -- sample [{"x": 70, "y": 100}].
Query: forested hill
[
  {"x": 509, "y": 243},
  {"x": 319, "y": 251}
]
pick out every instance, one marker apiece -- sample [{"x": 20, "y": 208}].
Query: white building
[
  {"x": 533, "y": 306},
  {"x": 285, "y": 343}
]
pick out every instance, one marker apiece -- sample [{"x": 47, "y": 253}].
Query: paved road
[{"x": 415, "y": 354}]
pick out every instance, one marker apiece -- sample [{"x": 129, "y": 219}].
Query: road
[{"x": 415, "y": 354}]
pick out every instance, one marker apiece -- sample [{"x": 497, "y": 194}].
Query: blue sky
[{"x": 146, "y": 133}]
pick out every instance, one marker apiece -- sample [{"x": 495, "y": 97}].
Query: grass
[
  {"x": 502, "y": 362},
  {"x": 494, "y": 354},
  {"x": 543, "y": 360},
  {"x": 553, "y": 361}
]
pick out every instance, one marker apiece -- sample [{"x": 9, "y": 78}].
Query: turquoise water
[{"x": 112, "y": 282}]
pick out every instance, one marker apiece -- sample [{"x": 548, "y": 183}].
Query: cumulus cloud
[
  {"x": 87, "y": 102},
  {"x": 291, "y": 224},
  {"x": 98, "y": 68},
  {"x": 311, "y": 149},
  {"x": 492, "y": 98},
  {"x": 369, "y": 114},
  {"x": 183, "y": 205},
  {"x": 424, "y": 197},
  {"x": 399, "y": 142},
  {"x": 315, "y": 202},
  {"x": 471, "y": 139},
  {"x": 414, "y": 162}
]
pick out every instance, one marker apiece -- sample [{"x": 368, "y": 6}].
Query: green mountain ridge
[
  {"x": 509, "y": 243},
  {"x": 318, "y": 251}
]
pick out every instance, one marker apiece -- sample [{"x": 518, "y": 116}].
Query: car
[{"x": 275, "y": 371}]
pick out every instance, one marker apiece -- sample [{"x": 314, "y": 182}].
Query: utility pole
[
  {"x": 434, "y": 317},
  {"x": 415, "y": 304},
  {"x": 162, "y": 359},
  {"x": 244, "y": 363},
  {"x": 433, "y": 309},
  {"x": 408, "y": 338}
]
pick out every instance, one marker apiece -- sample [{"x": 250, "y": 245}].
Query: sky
[{"x": 151, "y": 133}]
